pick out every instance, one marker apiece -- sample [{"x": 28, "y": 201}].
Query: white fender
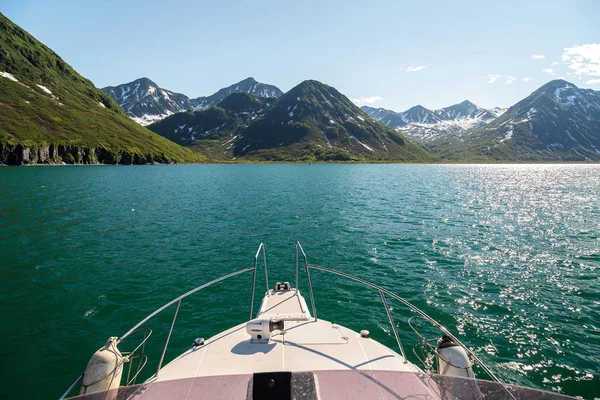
[
  {"x": 104, "y": 370},
  {"x": 453, "y": 360}
]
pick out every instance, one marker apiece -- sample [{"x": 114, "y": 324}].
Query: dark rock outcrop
[{"x": 59, "y": 155}]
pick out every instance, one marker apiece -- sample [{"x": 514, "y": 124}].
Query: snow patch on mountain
[
  {"x": 9, "y": 76},
  {"x": 509, "y": 134},
  {"x": 147, "y": 119},
  {"x": 45, "y": 89},
  {"x": 498, "y": 111},
  {"x": 362, "y": 144},
  {"x": 49, "y": 92}
]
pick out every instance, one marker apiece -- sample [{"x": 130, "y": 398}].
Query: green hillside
[
  {"x": 311, "y": 122},
  {"x": 214, "y": 131},
  {"x": 314, "y": 121},
  {"x": 51, "y": 114}
]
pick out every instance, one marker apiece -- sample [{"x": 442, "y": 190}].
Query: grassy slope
[
  {"x": 213, "y": 129},
  {"x": 31, "y": 117}
]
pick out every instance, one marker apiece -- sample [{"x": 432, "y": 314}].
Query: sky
[{"x": 392, "y": 54}]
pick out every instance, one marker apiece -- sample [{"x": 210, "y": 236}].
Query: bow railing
[{"x": 384, "y": 293}]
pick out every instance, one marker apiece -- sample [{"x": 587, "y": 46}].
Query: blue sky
[{"x": 390, "y": 54}]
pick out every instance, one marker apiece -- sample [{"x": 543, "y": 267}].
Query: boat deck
[{"x": 304, "y": 345}]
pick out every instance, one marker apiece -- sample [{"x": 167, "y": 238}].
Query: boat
[{"x": 286, "y": 351}]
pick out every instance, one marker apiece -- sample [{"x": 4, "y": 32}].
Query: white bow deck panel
[{"x": 304, "y": 345}]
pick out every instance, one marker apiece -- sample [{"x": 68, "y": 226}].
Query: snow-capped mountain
[
  {"x": 145, "y": 102},
  {"x": 419, "y": 115},
  {"x": 466, "y": 109},
  {"x": 559, "y": 121},
  {"x": 389, "y": 118},
  {"x": 423, "y": 124}
]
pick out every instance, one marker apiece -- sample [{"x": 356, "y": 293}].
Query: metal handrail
[
  {"x": 66, "y": 393},
  {"x": 260, "y": 247},
  {"x": 389, "y": 314},
  {"x": 142, "y": 358},
  {"x": 412, "y": 308},
  {"x": 306, "y": 265},
  {"x": 162, "y": 356},
  {"x": 176, "y": 300},
  {"x": 183, "y": 296}
]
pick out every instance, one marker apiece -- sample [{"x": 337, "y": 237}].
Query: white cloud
[
  {"x": 537, "y": 56},
  {"x": 553, "y": 64},
  {"x": 593, "y": 82},
  {"x": 583, "y": 59},
  {"x": 493, "y": 77},
  {"x": 548, "y": 71},
  {"x": 361, "y": 101},
  {"x": 527, "y": 79},
  {"x": 509, "y": 80},
  {"x": 417, "y": 68}
]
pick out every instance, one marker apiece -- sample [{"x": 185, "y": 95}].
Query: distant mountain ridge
[
  {"x": 145, "y": 102},
  {"x": 423, "y": 124},
  {"x": 558, "y": 121},
  {"x": 311, "y": 122}
]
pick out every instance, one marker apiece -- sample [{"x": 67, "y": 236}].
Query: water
[{"x": 506, "y": 256}]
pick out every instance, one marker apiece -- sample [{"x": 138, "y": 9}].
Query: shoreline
[{"x": 254, "y": 162}]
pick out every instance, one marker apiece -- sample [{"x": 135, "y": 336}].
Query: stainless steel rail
[
  {"x": 389, "y": 314},
  {"x": 162, "y": 356},
  {"x": 183, "y": 296},
  {"x": 306, "y": 265},
  {"x": 176, "y": 300},
  {"x": 412, "y": 308},
  {"x": 66, "y": 393},
  {"x": 260, "y": 247}
]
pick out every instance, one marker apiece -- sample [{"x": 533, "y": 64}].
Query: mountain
[
  {"x": 311, "y": 122},
  {"x": 419, "y": 115},
  {"x": 248, "y": 85},
  {"x": 145, "y": 102},
  {"x": 314, "y": 121},
  {"x": 51, "y": 114},
  {"x": 559, "y": 121},
  {"x": 246, "y": 104},
  {"x": 465, "y": 110},
  {"x": 497, "y": 111},
  {"x": 389, "y": 118},
  {"x": 213, "y": 131},
  {"x": 425, "y": 125}
]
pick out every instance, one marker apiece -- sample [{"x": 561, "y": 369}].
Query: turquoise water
[{"x": 506, "y": 256}]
